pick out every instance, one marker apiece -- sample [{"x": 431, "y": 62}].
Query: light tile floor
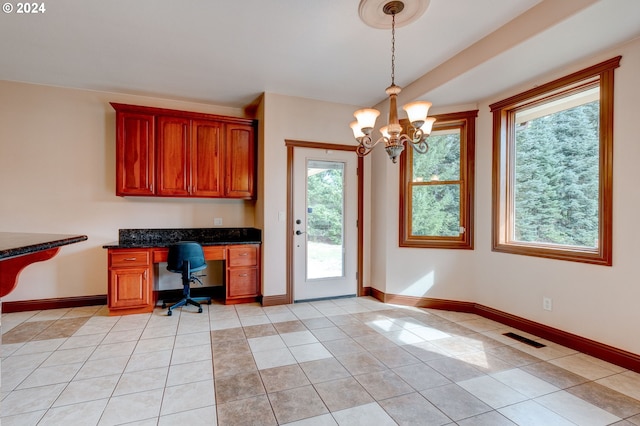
[{"x": 341, "y": 362}]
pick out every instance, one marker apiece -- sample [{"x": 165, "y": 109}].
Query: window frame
[
  {"x": 601, "y": 74},
  {"x": 465, "y": 121}
]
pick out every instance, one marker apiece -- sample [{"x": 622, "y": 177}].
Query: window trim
[
  {"x": 466, "y": 122},
  {"x": 503, "y": 137}
]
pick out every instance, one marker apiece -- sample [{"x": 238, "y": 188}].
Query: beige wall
[{"x": 57, "y": 175}]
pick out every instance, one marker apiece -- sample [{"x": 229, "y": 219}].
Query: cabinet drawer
[
  {"x": 243, "y": 256},
  {"x": 119, "y": 258},
  {"x": 242, "y": 282},
  {"x": 214, "y": 252}
]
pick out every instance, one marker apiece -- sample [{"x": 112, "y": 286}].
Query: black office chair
[{"x": 186, "y": 257}]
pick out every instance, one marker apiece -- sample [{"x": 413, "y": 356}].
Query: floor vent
[{"x": 524, "y": 340}]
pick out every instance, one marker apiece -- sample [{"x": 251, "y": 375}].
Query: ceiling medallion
[{"x": 372, "y": 12}]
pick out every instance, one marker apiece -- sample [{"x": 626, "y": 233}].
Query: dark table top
[
  {"x": 163, "y": 237},
  {"x": 166, "y": 244},
  {"x": 20, "y": 243}
]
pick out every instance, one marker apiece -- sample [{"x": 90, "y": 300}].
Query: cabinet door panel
[
  {"x": 239, "y": 161},
  {"x": 134, "y": 154},
  {"x": 242, "y": 282},
  {"x": 129, "y": 288},
  {"x": 173, "y": 156},
  {"x": 206, "y": 156}
]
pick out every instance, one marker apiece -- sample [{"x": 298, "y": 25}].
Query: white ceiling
[{"x": 229, "y": 52}]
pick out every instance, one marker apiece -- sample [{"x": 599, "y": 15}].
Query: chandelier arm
[
  {"x": 366, "y": 145},
  {"x": 417, "y": 135},
  {"x": 417, "y": 141},
  {"x": 421, "y": 147}
]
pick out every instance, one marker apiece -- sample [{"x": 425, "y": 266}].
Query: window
[
  {"x": 552, "y": 168},
  {"x": 436, "y": 188}
]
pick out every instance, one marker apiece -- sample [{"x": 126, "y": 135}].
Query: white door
[{"x": 325, "y": 212}]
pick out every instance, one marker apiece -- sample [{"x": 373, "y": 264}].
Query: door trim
[{"x": 291, "y": 144}]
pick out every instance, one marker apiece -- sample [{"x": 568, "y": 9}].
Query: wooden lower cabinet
[
  {"x": 243, "y": 272},
  {"x": 130, "y": 288},
  {"x": 131, "y": 276}
]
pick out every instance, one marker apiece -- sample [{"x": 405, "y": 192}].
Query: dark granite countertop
[
  {"x": 163, "y": 237},
  {"x": 14, "y": 244}
]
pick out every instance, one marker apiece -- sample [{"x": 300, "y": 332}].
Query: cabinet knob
[
  {"x": 243, "y": 275},
  {"x": 130, "y": 259},
  {"x": 244, "y": 254}
]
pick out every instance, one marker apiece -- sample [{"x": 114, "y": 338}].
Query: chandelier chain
[{"x": 393, "y": 49}]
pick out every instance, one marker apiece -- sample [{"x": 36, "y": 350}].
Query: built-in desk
[{"x": 133, "y": 264}]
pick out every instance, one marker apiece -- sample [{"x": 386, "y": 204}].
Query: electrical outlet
[
  {"x": 547, "y": 304},
  {"x": 217, "y": 221}
]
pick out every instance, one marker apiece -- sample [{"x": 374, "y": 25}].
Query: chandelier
[{"x": 392, "y": 135}]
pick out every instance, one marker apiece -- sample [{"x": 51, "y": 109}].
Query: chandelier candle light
[{"x": 392, "y": 135}]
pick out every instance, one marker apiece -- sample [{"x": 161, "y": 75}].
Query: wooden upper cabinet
[
  {"x": 173, "y": 156},
  {"x": 135, "y": 154},
  {"x": 240, "y": 161},
  {"x": 171, "y": 153},
  {"x": 206, "y": 158}
]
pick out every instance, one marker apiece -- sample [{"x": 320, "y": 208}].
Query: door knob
[{"x": 299, "y": 232}]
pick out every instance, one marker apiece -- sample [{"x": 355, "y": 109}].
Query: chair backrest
[{"x": 182, "y": 251}]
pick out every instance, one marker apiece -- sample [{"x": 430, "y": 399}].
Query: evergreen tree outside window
[
  {"x": 552, "y": 168},
  {"x": 436, "y": 193}
]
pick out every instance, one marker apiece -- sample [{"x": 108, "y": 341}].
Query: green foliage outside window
[
  {"x": 325, "y": 203},
  {"x": 556, "y": 178},
  {"x": 436, "y": 188}
]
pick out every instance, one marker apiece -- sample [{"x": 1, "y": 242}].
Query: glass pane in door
[{"x": 325, "y": 219}]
